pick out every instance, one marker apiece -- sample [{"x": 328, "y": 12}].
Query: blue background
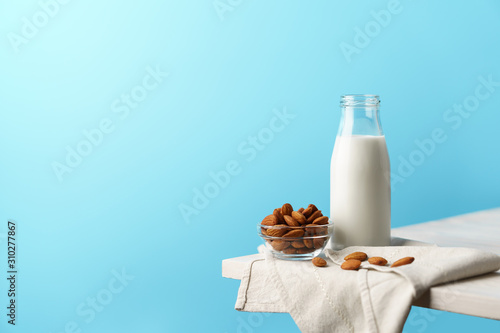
[{"x": 119, "y": 208}]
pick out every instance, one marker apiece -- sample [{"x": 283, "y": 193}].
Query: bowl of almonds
[{"x": 295, "y": 235}]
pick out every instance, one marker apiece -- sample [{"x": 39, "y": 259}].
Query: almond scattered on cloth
[
  {"x": 356, "y": 257},
  {"x": 351, "y": 264},
  {"x": 403, "y": 261},
  {"x": 379, "y": 261},
  {"x": 361, "y": 256},
  {"x": 319, "y": 262}
]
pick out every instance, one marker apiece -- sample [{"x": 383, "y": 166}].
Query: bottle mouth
[{"x": 359, "y": 100}]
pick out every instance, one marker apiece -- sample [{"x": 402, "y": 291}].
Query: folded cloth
[{"x": 372, "y": 299}]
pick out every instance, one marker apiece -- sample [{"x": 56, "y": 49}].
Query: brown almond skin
[
  {"x": 316, "y": 230},
  {"x": 298, "y": 244},
  {"x": 287, "y": 209},
  {"x": 351, "y": 265},
  {"x": 290, "y": 250},
  {"x": 269, "y": 220},
  {"x": 279, "y": 216},
  {"x": 291, "y": 221},
  {"x": 403, "y": 261},
  {"x": 321, "y": 220},
  {"x": 294, "y": 233},
  {"x": 314, "y": 216},
  {"x": 307, "y": 212},
  {"x": 301, "y": 209},
  {"x": 277, "y": 232},
  {"x": 313, "y": 207},
  {"x": 310, "y": 229},
  {"x": 379, "y": 261},
  {"x": 280, "y": 245},
  {"x": 318, "y": 243},
  {"x": 299, "y": 217},
  {"x": 361, "y": 256},
  {"x": 319, "y": 262},
  {"x": 304, "y": 250},
  {"x": 322, "y": 231},
  {"x": 309, "y": 243}
]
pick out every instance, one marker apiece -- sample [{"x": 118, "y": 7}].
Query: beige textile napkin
[{"x": 372, "y": 299}]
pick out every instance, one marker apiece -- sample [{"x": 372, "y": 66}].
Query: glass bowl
[{"x": 295, "y": 243}]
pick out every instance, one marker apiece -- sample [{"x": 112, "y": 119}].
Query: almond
[
  {"x": 314, "y": 216},
  {"x": 280, "y": 245},
  {"x": 361, "y": 256},
  {"x": 299, "y": 217},
  {"x": 290, "y": 250},
  {"x": 319, "y": 262},
  {"x": 351, "y": 264},
  {"x": 321, "y": 220},
  {"x": 307, "y": 212},
  {"x": 403, "y": 261},
  {"x": 298, "y": 244},
  {"x": 301, "y": 209},
  {"x": 304, "y": 250},
  {"x": 294, "y": 233},
  {"x": 291, "y": 221},
  {"x": 313, "y": 207},
  {"x": 269, "y": 220},
  {"x": 279, "y": 216},
  {"x": 309, "y": 243},
  {"x": 322, "y": 231},
  {"x": 379, "y": 261},
  {"x": 311, "y": 229},
  {"x": 277, "y": 231},
  {"x": 315, "y": 229},
  {"x": 287, "y": 209},
  {"x": 318, "y": 243}
]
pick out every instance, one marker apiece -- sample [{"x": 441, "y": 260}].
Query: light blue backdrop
[{"x": 114, "y": 114}]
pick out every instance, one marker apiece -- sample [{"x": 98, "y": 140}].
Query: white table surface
[{"x": 478, "y": 296}]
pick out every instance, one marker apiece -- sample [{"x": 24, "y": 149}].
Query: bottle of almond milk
[{"x": 360, "y": 185}]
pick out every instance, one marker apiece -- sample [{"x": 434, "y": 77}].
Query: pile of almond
[
  {"x": 288, "y": 224},
  {"x": 353, "y": 261}
]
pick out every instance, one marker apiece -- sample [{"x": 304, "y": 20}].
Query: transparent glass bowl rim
[{"x": 259, "y": 226}]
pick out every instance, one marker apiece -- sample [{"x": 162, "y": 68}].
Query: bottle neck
[{"x": 360, "y": 116}]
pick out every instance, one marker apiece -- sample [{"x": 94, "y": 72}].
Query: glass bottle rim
[{"x": 359, "y": 100}]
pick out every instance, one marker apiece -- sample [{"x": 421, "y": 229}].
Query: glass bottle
[{"x": 360, "y": 185}]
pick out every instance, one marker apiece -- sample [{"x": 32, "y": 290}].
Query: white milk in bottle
[{"x": 360, "y": 187}]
